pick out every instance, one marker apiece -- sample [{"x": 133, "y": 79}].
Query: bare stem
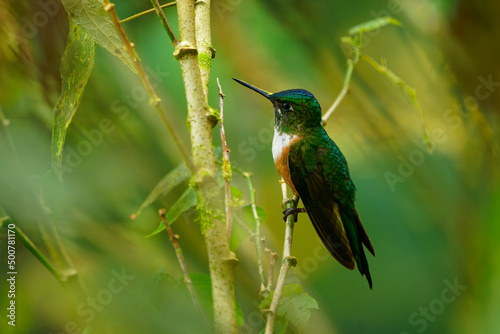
[
  {"x": 164, "y": 22},
  {"x": 351, "y": 63},
  {"x": 226, "y": 165},
  {"x": 154, "y": 100},
  {"x": 174, "y": 239},
  {"x": 273, "y": 256},
  {"x": 257, "y": 241},
  {"x": 287, "y": 262},
  {"x": 170, "y": 4}
]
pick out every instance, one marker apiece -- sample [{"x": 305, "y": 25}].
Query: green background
[{"x": 432, "y": 218}]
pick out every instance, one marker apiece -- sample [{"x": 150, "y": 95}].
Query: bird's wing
[{"x": 307, "y": 176}]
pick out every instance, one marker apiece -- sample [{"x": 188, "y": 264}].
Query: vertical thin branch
[
  {"x": 226, "y": 165},
  {"x": 174, "y": 239},
  {"x": 154, "y": 100},
  {"x": 287, "y": 262},
  {"x": 258, "y": 247},
  {"x": 273, "y": 256},
  {"x": 164, "y": 22}
]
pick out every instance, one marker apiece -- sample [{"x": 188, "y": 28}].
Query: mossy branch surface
[
  {"x": 204, "y": 41},
  {"x": 210, "y": 202}
]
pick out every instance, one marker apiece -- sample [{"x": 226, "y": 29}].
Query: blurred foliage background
[{"x": 432, "y": 218}]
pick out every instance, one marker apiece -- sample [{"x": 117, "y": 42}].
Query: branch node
[
  {"x": 109, "y": 7},
  {"x": 184, "y": 48},
  {"x": 232, "y": 261},
  {"x": 212, "y": 52},
  {"x": 290, "y": 260}
]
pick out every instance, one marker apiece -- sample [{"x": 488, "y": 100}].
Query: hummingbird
[{"x": 316, "y": 171}]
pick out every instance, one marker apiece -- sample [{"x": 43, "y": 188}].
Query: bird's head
[{"x": 294, "y": 109}]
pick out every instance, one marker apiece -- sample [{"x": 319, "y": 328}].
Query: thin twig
[
  {"x": 273, "y": 256},
  {"x": 174, "y": 239},
  {"x": 255, "y": 236},
  {"x": 287, "y": 262},
  {"x": 244, "y": 226},
  {"x": 351, "y": 63},
  {"x": 164, "y": 22},
  {"x": 170, "y": 4},
  {"x": 409, "y": 92},
  {"x": 258, "y": 247},
  {"x": 154, "y": 100},
  {"x": 226, "y": 165}
]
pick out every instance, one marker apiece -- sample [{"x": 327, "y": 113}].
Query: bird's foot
[
  {"x": 286, "y": 201},
  {"x": 289, "y": 201},
  {"x": 292, "y": 211}
]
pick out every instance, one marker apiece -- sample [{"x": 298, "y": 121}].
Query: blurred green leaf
[
  {"x": 203, "y": 288},
  {"x": 262, "y": 214},
  {"x": 295, "y": 305},
  {"x": 374, "y": 24},
  {"x": 90, "y": 15},
  {"x": 244, "y": 216},
  {"x": 236, "y": 197},
  {"x": 184, "y": 203},
  {"x": 76, "y": 66},
  {"x": 166, "y": 184}
]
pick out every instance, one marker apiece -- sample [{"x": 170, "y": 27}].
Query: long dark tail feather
[
  {"x": 363, "y": 235},
  {"x": 327, "y": 225},
  {"x": 357, "y": 237}
]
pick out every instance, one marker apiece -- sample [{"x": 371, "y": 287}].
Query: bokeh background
[{"x": 432, "y": 218}]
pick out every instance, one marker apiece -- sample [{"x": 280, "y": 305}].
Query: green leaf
[
  {"x": 76, "y": 65},
  {"x": 295, "y": 305},
  {"x": 236, "y": 197},
  {"x": 262, "y": 214},
  {"x": 244, "y": 216},
  {"x": 184, "y": 203},
  {"x": 90, "y": 15},
  {"x": 166, "y": 184},
  {"x": 374, "y": 24}
]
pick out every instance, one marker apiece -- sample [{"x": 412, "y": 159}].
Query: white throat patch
[{"x": 280, "y": 141}]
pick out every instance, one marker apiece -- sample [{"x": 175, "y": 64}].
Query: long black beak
[{"x": 258, "y": 90}]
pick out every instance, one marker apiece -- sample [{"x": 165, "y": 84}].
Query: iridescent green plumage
[{"x": 316, "y": 170}]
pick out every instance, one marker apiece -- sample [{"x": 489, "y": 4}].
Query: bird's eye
[{"x": 286, "y": 107}]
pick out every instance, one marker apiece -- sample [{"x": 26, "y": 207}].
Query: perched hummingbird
[{"x": 315, "y": 169}]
